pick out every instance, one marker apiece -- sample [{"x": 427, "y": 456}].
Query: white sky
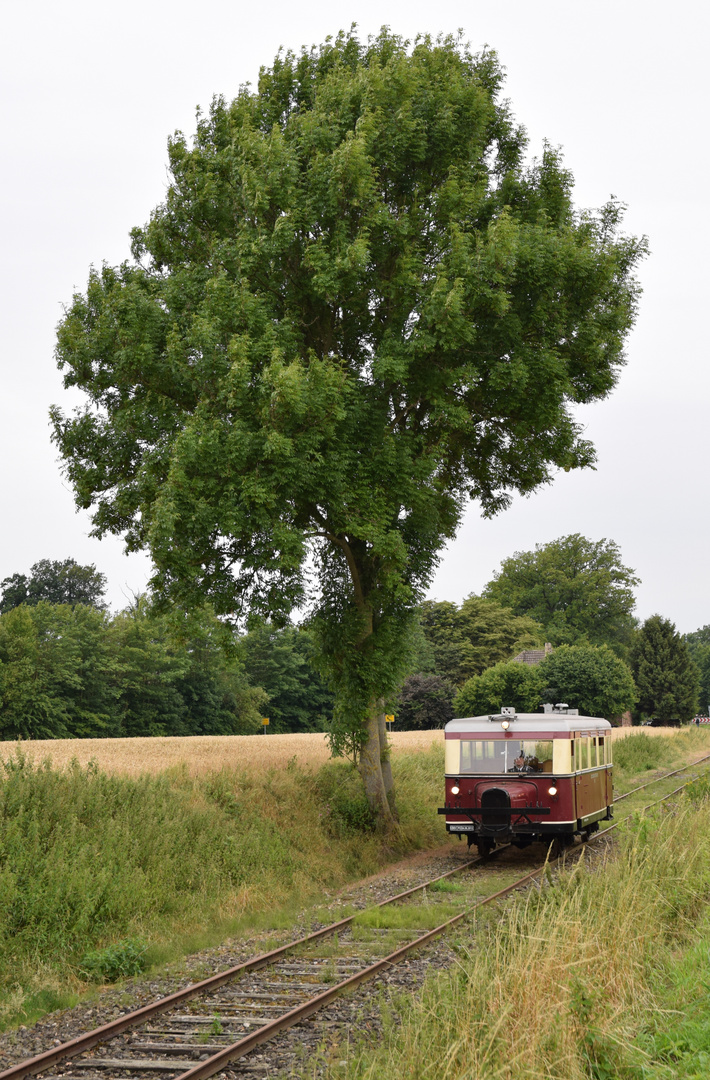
[{"x": 90, "y": 93}]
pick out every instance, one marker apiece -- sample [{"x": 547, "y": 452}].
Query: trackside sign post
[{"x": 265, "y": 722}]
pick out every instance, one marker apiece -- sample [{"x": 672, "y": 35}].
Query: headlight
[
  {"x": 455, "y": 789},
  {"x": 552, "y": 790}
]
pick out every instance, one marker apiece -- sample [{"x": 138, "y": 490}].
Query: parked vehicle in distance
[{"x": 523, "y": 777}]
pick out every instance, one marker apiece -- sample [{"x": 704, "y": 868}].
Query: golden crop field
[
  {"x": 207, "y": 753},
  {"x": 201, "y": 753}
]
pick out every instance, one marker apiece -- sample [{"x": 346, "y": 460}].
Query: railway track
[{"x": 200, "y": 1030}]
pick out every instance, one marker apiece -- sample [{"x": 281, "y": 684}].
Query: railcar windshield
[{"x": 505, "y": 755}]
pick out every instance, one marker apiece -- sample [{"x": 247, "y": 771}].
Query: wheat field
[
  {"x": 208, "y": 753},
  {"x": 201, "y": 753}
]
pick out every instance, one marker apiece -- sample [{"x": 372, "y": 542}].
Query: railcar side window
[
  {"x": 562, "y": 755},
  {"x": 602, "y": 750}
]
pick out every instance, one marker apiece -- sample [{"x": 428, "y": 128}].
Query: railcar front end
[{"x": 523, "y": 777}]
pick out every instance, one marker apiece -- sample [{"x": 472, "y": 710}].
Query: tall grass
[
  {"x": 90, "y": 860},
  {"x": 565, "y": 984},
  {"x": 641, "y": 751}
]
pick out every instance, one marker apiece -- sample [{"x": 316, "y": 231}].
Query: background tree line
[
  {"x": 68, "y": 668},
  {"x": 576, "y": 595}
]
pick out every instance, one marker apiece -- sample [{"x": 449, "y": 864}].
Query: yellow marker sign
[
  {"x": 265, "y": 721},
  {"x": 389, "y": 719}
]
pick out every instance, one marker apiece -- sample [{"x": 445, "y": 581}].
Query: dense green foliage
[
  {"x": 95, "y": 867},
  {"x": 357, "y": 308},
  {"x": 55, "y": 583},
  {"x": 76, "y": 672},
  {"x": 466, "y": 639},
  {"x": 280, "y": 661},
  {"x": 589, "y": 678},
  {"x": 513, "y": 684},
  {"x": 424, "y": 702},
  {"x": 699, "y": 647},
  {"x": 577, "y": 589},
  {"x": 57, "y": 672},
  {"x": 593, "y": 680},
  {"x": 666, "y": 677}
]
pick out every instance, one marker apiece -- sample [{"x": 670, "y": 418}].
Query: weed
[
  {"x": 115, "y": 962},
  {"x": 406, "y": 916},
  {"x": 445, "y": 886}
]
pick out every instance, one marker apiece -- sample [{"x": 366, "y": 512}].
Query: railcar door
[
  {"x": 584, "y": 782},
  {"x": 591, "y": 778}
]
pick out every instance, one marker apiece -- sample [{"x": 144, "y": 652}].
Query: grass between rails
[
  {"x": 102, "y": 874},
  {"x": 603, "y": 974}
]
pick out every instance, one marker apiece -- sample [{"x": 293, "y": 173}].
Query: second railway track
[{"x": 211, "y": 1025}]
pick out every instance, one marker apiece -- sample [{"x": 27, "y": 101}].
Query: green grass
[
  {"x": 641, "y": 752},
  {"x": 406, "y": 916},
  {"x": 101, "y": 875}
]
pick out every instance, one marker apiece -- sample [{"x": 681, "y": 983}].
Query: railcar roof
[{"x": 523, "y": 722}]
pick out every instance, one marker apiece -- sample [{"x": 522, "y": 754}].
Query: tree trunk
[
  {"x": 370, "y": 768},
  {"x": 385, "y": 759}
]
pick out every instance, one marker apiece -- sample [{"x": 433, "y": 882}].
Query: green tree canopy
[
  {"x": 578, "y": 589},
  {"x": 424, "y": 702},
  {"x": 357, "y": 308},
  {"x": 513, "y": 684},
  {"x": 57, "y": 674},
  {"x": 589, "y": 678},
  {"x": 54, "y": 583},
  {"x": 666, "y": 677},
  {"x": 467, "y": 640},
  {"x": 280, "y": 661},
  {"x": 699, "y": 647}
]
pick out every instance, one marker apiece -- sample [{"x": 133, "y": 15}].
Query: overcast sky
[{"x": 90, "y": 93}]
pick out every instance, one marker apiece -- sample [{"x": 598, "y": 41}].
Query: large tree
[
  {"x": 466, "y": 640},
  {"x": 357, "y": 308},
  {"x": 589, "y": 678},
  {"x": 666, "y": 677},
  {"x": 578, "y": 589}
]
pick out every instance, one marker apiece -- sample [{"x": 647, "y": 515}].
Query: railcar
[{"x": 524, "y": 777}]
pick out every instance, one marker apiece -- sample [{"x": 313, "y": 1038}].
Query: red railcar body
[{"x": 522, "y": 777}]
